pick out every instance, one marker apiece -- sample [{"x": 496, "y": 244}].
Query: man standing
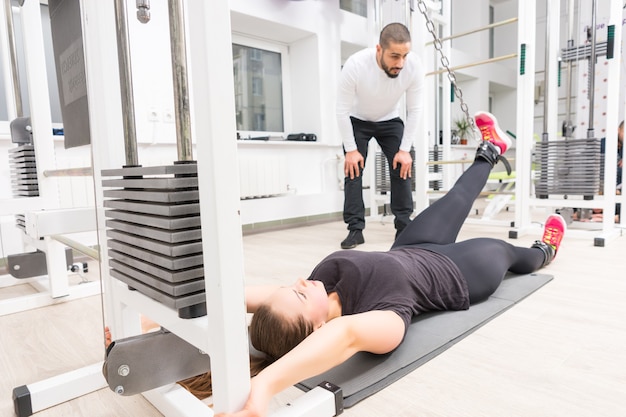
[{"x": 373, "y": 82}]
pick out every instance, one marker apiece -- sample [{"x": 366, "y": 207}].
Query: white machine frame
[
  {"x": 523, "y": 199},
  {"x": 222, "y": 333},
  {"x": 55, "y": 287}
]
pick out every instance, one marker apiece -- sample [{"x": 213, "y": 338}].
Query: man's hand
[
  {"x": 406, "y": 162},
  {"x": 354, "y": 164}
]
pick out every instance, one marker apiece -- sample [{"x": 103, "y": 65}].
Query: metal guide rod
[
  {"x": 546, "y": 78},
  {"x": 570, "y": 20},
  {"x": 17, "y": 91},
  {"x": 568, "y": 131},
  {"x": 126, "y": 84},
  {"x": 480, "y": 29},
  {"x": 84, "y": 249},
  {"x": 69, "y": 172},
  {"x": 179, "y": 73},
  {"x": 475, "y": 64},
  {"x": 592, "y": 70}
]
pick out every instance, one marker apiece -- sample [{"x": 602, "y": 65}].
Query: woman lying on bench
[{"x": 364, "y": 301}]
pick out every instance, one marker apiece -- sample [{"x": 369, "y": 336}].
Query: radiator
[{"x": 262, "y": 176}]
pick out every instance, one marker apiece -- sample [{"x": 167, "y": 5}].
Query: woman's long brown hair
[{"x": 271, "y": 334}]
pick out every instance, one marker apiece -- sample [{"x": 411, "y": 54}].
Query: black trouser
[
  {"x": 388, "y": 134},
  {"x": 482, "y": 261}
]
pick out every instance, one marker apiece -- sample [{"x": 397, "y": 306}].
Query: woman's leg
[
  {"x": 485, "y": 261},
  {"x": 441, "y": 221}
]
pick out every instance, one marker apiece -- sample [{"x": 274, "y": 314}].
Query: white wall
[
  {"x": 481, "y": 83},
  {"x": 503, "y": 75},
  {"x": 496, "y": 80},
  {"x": 312, "y": 32},
  {"x": 318, "y": 36}
]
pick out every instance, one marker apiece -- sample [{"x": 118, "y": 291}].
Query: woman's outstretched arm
[{"x": 335, "y": 342}]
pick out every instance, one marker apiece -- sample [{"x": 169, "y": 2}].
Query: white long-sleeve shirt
[{"x": 367, "y": 93}]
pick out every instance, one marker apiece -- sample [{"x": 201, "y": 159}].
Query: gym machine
[
  {"x": 42, "y": 226},
  {"x": 202, "y": 313}
]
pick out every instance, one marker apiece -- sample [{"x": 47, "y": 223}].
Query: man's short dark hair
[{"x": 394, "y": 32}]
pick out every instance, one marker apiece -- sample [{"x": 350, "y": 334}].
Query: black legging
[{"x": 483, "y": 261}]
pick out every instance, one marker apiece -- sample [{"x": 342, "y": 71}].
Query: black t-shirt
[{"x": 408, "y": 281}]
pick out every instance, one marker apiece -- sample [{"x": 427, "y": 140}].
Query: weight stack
[
  {"x": 155, "y": 241},
  {"x": 24, "y": 182},
  {"x": 383, "y": 180},
  {"x": 435, "y": 154},
  {"x": 568, "y": 167}
]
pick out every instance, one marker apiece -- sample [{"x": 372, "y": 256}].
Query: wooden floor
[{"x": 561, "y": 352}]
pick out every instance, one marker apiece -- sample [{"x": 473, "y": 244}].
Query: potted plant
[{"x": 462, "y": 129}]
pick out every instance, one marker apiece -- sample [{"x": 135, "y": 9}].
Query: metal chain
[{"x": 430, "y": 26}]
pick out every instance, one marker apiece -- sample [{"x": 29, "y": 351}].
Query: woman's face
[{"x": 304, "y": 298}]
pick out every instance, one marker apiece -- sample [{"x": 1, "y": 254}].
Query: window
[
  {"x": 354, "y": 6},
  {"x": 257, "y": 86},
  {"x": 258, "y": 75}
]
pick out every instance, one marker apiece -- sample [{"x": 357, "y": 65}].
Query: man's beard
[{"x": 388, "y": 70}]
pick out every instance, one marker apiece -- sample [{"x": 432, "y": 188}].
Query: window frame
[
  {"x": 354, "y": 7},
  {"x": 283, "y": 50}
]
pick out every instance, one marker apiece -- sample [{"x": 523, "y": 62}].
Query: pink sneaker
[
  {"x": 491, "y": 132},
  {"x": 553, "y": 231}
]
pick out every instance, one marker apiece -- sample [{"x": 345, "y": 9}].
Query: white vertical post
[
  {"x": 5, "y": 60},
  {"x": 612, "y": 117},
  {"x": 553, "y": 20},
  {"x": 449, "y": 170},
  {"x": 105, "y": 122},
  {"x": 525, "y": 109},
  {"x": 57, "y": 268},
  {"x": 41, "y": 122},
  {"x": 381, "y": 9},
  {"x": 421, "y": 143},
  {"x": 39, "y": 100},
  {"x": 214, "y": 130},
  {"x": 428, "y": 124}
]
